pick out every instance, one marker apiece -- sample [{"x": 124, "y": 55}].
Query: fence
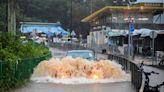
[
  {"x": 10, "y": 75},
  {"x": 67, "y": 46},
  {"x": 136, "y": 74}
]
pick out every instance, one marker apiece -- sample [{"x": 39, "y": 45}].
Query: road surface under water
[
  {"x": 50, "y": 87},
  {"x": 93, "y": 87}
]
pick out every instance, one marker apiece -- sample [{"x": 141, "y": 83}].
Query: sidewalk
[{"x": 147, "y": 60}]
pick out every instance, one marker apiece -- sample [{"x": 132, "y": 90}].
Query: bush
[
  {"x": 19, "y": 58},
  {"x": 12, "y": 48}
]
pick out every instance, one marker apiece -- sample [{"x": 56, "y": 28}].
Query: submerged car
[{"x": 86, "y": 54}]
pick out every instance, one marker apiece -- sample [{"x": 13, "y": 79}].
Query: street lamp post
[
  {"x": 130, "y": 38},
  {"x": 129, "y": 35},
  {"x": 153, "y": 45},
  {"x": 153, "y": 35}
]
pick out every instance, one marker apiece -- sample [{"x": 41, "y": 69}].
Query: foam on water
[
  {"x": 81, "y": 80},
  {"x": 78, "y": 71}
]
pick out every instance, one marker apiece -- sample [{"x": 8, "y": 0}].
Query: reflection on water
[{"x": 78, "y": 70}]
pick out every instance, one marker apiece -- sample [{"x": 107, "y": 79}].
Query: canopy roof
[
  {"x": 126, "y": 9},
  {"x": 115, "y": 33},
  {"x": 150, "y": 1},
  {"x": 28, "y": 27},
  {"x": 146, "y": 32},
  {"x": 143, "y": 32}
]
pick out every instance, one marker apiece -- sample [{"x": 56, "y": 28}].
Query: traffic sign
[
  {"x": 131, "y": 28},
  {"x": 153, "y": 34},
  {"x": 73, "y": 33}
]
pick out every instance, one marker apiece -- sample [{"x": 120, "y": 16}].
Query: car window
[{"x": 86, "y": 55}]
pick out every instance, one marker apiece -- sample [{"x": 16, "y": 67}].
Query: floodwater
[
  {"x": 46, "y": 84},
  {"x": 97, "y": 87},
  {"x": 79, "y": 71}
]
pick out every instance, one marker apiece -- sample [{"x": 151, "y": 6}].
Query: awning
[
  {"x": 43, "y": 28},
  {"x": 149, "y": 1},
  {"x": 114, "y": 33},
  {"x": 144, "y": 32}
]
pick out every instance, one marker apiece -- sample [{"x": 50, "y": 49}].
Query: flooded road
[
  {"x": 50, "y": 87},
  {"x": 93, "y": 87}
]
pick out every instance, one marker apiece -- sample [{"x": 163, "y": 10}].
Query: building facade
[{"x": 110, "y": 21}]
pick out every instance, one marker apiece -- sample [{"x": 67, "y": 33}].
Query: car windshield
[{"x": 85, "y": 55}]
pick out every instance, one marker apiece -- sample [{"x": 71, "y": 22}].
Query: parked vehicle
[{"x": 86, "y": 54}]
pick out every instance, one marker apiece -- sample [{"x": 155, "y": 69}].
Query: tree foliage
[{"x": 3, "y": 15}]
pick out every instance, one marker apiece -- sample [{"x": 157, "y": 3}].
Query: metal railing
[{"x": 136, "y": 74}]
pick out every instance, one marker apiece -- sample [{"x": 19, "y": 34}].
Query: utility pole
[
  {"x": 91, "y": 11},
  {"x": 153, "y": 45},
  {"x": 71, "y": 22},
  {"x": 11, "y": 16},
  {"x": 71, "y": 16},
  {"x": 153, "y": 35},
  {"x": 129, "y": 42},
  {"x": 91, "y": 6}
]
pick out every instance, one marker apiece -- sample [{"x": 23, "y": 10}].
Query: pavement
[
  {"x": 154, "y": 78},
  {"x": 147, "y": 60}
]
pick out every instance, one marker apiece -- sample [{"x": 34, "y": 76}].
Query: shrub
[
  {"x": 12, "y": 48},
  {"x": 14, "y": 54}
]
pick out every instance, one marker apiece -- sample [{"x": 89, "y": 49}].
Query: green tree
[{"x": 3, "y": 16}]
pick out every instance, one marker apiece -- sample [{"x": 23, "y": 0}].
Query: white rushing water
[
  {"x": 76, "y": 80},
  {"x": 78, "y": 71}
]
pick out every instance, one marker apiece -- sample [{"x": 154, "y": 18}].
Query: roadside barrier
[{"x": 136, "y": 74}]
